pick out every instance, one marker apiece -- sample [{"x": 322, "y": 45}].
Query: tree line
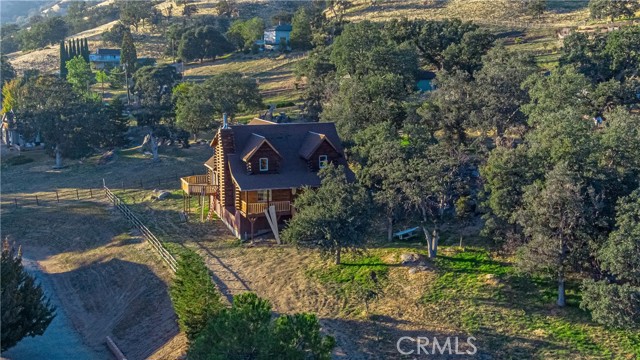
[{"x": 548, "y": 159}]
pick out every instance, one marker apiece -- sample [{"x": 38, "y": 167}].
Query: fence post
[
  {"x": 123, "y": 185},
  {"x": 37, "y": 202},
  {"x": 57, "y": 197},
  {"x": 90, "y": 193},
  {"x": 141, "y": 187},
  {"x": 77, "y": 194},
  {"x": 16, "y": 202}
]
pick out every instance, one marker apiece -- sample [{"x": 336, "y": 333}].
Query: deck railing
[
  {"x": 259, "y": 208},
  {"x": 197, "y": 185}
]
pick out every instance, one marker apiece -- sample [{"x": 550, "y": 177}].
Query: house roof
[
  {"x": 113, "y": 52},
  {"x": 311, "y": 143},
  {"x": 287, "y": 140},
  {"x": 211, "y": 162},
  {"x": 281, "y": 27},
  {"x": 254, "y": 143}
]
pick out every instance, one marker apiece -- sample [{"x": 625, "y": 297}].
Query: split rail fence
[
  {"x": 57, "y": 197},
  {"x": 153, "y": 240}
]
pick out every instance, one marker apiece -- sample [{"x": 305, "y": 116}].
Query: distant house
[
  {"x": 105, "y": 58},
  {"x": 257, "y": 170},
  {"x": 277, "y": 35}
]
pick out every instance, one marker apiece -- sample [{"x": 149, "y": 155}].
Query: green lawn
[{"x": 486, "y": 296}]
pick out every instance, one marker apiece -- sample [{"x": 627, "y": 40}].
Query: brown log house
[{"x": 263, "y": 165}]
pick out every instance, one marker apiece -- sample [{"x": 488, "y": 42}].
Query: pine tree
[
  {"x": 301, "y": 32},
  {"x": 25, "y": 309},
  {"x": 195, "y": 298},
  {"x": 113, "y": 132},
  {"x": 86, "y": 50},
  {"x": 128, "y": 55}
]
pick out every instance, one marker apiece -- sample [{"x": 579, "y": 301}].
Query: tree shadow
[
  {"x": 102, "y": 294},
  {"x": 121, "y": 299},
  {"x": 563, "y": 6},
  {"x": 137, "y": 314},
  {"x": 227, "y": 280}
]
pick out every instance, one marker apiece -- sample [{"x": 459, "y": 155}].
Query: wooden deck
[
  {"x": 259, "y": 207},
  {"x": 197, "y": 185}
]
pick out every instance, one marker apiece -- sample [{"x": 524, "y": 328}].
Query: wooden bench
[{"x": 406, "y": 234}]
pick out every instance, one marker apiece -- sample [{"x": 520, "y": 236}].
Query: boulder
[
  {"x": 163, "y": 195},
  {"x": 409, "y": 258}
]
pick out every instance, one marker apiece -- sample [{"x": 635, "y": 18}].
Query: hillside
[
  {"x": 500, "y": 15},
  {"x": 498, "y": 166}
]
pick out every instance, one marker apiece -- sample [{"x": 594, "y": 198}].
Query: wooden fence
[
  {"x": 56, "y": 197},
  {"x": 153, "y": 240}
]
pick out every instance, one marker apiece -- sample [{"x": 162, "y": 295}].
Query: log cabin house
[{"x": 257, "y": 170}]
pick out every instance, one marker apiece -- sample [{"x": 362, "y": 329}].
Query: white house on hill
[{"x": 277, "y": 35}]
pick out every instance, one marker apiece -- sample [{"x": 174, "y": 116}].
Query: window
[
  {"x": 264, "y": 164},
  {"x": 264, "y": 195},
  {"x": 322, "y": 161}
]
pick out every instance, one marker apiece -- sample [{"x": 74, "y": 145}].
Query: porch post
[{"x": 252, "y": 220}]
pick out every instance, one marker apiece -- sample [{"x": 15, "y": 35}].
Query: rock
[
  {"x": 410, "y": 258},
  {"x": 106, "y": 157},
  {"x": 417, "y": 269},
  {"x": 163, "y": 195}
]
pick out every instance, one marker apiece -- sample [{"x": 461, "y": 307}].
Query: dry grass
[
  {"x": 464, "y": 293},
  {"x": 109, "y": 280},
  {"x": 501, "y": 13}
]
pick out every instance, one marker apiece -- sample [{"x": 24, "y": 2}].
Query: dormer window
[
  {"x": 322, "y": 161},
  {"x": 264, "y": 164}
]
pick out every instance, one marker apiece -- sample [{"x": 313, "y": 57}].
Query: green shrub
[
  {"x": 247, "y": 331},
  {"x": 195, "y": 298}
]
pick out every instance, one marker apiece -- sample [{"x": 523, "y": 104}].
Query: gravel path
[{"x": 60, "y": 341}]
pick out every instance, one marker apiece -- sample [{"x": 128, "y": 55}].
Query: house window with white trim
[
  {"x": 264, "y": 164},
  {"x": 322, "y": 161},
  {"x": 264, "y": 195}
]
